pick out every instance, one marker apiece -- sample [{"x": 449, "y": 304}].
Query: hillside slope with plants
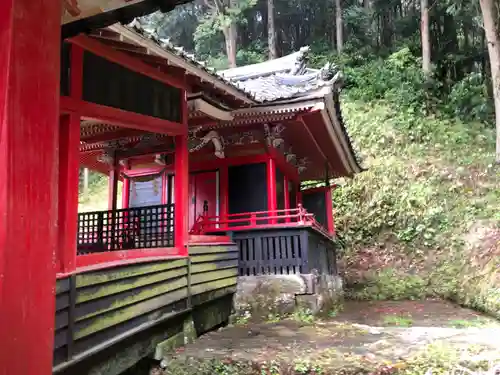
[{"x": 423, "y": 220}]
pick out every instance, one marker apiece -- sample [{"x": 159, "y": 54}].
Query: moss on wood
[
  {"x": 104, "y": 276},
  {"x": 102, "y": 290},
  {"x": 122, "y": 315}
]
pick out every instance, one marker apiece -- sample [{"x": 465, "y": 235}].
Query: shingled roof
[
  {"x": 284, "y": 78},
  {"x": 267, "y": 86}
]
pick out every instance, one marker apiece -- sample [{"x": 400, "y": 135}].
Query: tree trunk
[
  {"x": 340, "y": 34},
  {"x": 271, "y": 31},
  {"x": 230, "y": 35},
  {"x": 489, "y": 10},
  {"x": 426, "y": 38}
]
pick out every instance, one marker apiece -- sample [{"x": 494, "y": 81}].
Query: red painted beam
[
  {"x": 120, "y": 117},
  {"x": 129, "y": 62},
  {"x": 220, "y": 163},
  {"x": 29, "y": 125}
]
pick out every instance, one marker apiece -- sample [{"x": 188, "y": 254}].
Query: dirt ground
[{"x": 367, "y": 334}]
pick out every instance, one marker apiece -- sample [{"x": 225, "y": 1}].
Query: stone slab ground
[{"x": 366, "y": 337}]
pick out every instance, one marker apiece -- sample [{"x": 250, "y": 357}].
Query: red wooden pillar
[
  {"x": 114, "y": 177},
  {"x": 181, "y": 185},
  {"x": 271, "y": 188},
  {"x": 126, "y": 188},
  {"x": 287, "y": 197},
  {"x": 126, "y": 193},
  {"x": 224, "y": 192},
  {"x": 29, "y": 127},
  {"x": 329, "y": 210},
  {"x": 69, "y": 144}
]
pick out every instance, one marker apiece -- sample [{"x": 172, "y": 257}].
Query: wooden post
[
  {"x": 271, "y": 188},
  {"x": 29, "y": 127},
  {"x": 329, "y": 202},
  {"x": 114, "y": 177},
  {"x": 181, "y": 185},
  {"x": 287, "y": 198},
  {"x": 126, "y": 189},
  {"x": 224, "y": 192},
  {"x": 329, "y": 211},
  {"x": 69, "y": 145}
]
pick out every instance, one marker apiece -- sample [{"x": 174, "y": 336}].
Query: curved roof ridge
[{"x": 293, "y": 63}]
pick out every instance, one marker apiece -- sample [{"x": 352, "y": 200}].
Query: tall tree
[
  {"x": 340, "y": 27},
  {"x": 271, "y": 30},
  {"x": 490, "y": 13},
  {"x": 426, "y": 37},
  {"x": 228, "y": 26}
]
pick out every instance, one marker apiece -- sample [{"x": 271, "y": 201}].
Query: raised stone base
[{"x": 279, "y": 295}]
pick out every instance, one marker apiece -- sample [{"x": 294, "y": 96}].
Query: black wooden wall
[
  {"x": 247, "y": 188},
  {"x": 113, "y": 85},
  {"x": 315, "y": 203},
  {"x": 285, "y": 251}
]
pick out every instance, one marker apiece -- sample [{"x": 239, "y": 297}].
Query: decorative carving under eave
[
  {"x": 110, "y": 149},
  {"x": 242, "y": 138},
  {"x": 273, "y": 135},
  {"x": 196, "y": 143},
  {"x": 106, "y": 158},
  {"x": 302, "y": 164},
  {"x": 150, "y": 140},
  {"x": 290, "y": 157}
]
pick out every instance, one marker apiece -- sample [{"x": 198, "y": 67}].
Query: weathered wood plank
[
  {"x": 102, "y": 290},
  {"x": 213, "y": 275},
  {"x": 214, "y": 257},
  {"x": 212, "y": 285},
  {"x": 201, "y": 250},
  {"x": 137, "y": 324},
  {"x": 107, "y": 275},
  {"x": 62, "y": 285},
  {"x": 60, "y": 338},
  {"x": 116, "y": 301},
  {"x": 212, "y": 266},
  {"x": 62, "y": 301},
  {"x": 114, "y": 317}
]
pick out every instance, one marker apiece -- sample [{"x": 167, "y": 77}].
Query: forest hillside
[{"x": 418, "y": 101}]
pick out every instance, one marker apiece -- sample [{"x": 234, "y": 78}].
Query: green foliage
[
  {"x": 389, "y": 284},
  {"x": 398, "y": 320},
  {"x": 429, "y": 179},
  {"x": 469, "y": 99},
  {"x": 303, "y": 315}
]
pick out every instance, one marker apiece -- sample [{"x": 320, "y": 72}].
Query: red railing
[{"x": 260, "y": 219}]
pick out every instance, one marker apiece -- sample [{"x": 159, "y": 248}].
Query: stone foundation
[{"x": 260, "y": 297}]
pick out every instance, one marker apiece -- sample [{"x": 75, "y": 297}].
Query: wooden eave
[{"x": 125, "y": 40}]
